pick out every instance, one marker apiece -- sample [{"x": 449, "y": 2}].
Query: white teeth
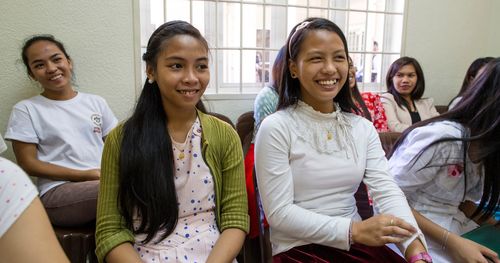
[
  {"x": 328, "y": 82},
  {"x": 188, "y": 92},
  {"x": 56, "y": 77}
]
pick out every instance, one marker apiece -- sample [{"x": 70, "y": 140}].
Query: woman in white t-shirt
[{"x": 58, "y": 135}]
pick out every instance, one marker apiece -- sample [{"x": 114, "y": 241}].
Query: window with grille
[{"x": 245, "y": 35}]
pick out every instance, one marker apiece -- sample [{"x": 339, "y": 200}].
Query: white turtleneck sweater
[{"x": 310, "y": 164}]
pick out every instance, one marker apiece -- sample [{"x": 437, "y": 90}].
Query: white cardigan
[
  {"x": 398, "y": 118},
  {"x": 307, "y": 182}
]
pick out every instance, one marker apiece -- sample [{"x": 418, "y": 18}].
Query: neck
[
  {"x": 179, "y": 123},
  {"x": 66, "y": 94}
]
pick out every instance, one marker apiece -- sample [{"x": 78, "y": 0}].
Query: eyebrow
[
  {"x": 41, "y": 60},
  {"x": 181, "y": 58},
  {"x": 340, "y": 51}
]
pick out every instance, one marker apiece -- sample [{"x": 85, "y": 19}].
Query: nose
[
  {"x": 329, "y": 67},
  {"x": 190, "y": 77},
  {"x": 51, "y": 67}
]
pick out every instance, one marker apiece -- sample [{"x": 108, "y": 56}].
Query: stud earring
[{"x": 151, "y": 81}]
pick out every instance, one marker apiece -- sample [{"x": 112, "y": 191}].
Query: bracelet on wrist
[{"x": 446, "y": 234}]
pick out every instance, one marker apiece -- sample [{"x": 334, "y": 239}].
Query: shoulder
[
  {"x": 215, "y": 128},
  {"x": 266, "y": 94},
  {"x": 31, "y": 102},
  {"x": 436, "y": 131},
  {"x": 426, "y": 101},
  {"x": 91, "y": 97},
  {"x": 116, "y": 133},
  {"x": 279, "y": 119},
  {"x": 386, "y": 96}
]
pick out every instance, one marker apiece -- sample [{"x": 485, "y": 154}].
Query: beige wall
[{"x": 445, "y": 36}]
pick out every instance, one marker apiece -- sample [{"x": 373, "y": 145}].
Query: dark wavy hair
[
  {"x": 357, "y": 96},
  {"x": 290, "y": 87},
  {"x": 146, "y": 168},
  {"x": 417, "y": 93},
  {"x": 479, "y": 112},
  {"x": 36, "y": 38},
  {"x": 277, "y": 70},
  {"x": 471, "y": 74}
]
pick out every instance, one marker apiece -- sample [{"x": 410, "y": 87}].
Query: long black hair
[
  {"x": 357, "y": 95},
  {"x": 479, "y": 112},
  {"x": 471, "y": 74},
  {"x": 417, "y": 93},
  {"x": 146, "y": 168},
  {"x": 290, "y": 87}
]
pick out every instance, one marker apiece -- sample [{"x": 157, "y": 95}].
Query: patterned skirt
[{"x": 323, "y": 254}]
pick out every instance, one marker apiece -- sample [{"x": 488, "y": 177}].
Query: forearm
[
  {"x": 469, "y": 208},
  {"x": 431, "y": 229},
  {"x": 227, "y": 246},
  {"x": 123, "y": 253},
  {"x": 42, "y": 169},
  {"x": 27, "y": 158}
]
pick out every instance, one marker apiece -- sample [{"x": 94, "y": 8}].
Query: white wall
[
  {"x": 445, "y": 36},
  {"x": 98, "y": 36}
]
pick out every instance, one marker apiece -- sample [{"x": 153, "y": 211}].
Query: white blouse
[
  {"x": 309, "y": 165},
  {"x": 434, "y": 182}
]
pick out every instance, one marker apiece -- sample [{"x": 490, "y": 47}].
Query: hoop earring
[{"x": 293, "y": 75}]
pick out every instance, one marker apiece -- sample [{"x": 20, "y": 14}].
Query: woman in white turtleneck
[{"x": 311, "y": 156}]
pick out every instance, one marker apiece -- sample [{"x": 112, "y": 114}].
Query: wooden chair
[
  {"x": 78, "y": 243},
  {"x": 258, "y": 249},
  {"x": 442, "y": 108}
]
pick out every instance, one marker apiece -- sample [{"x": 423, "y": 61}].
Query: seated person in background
[
  {"x": 266, "y": 100},
  {"x": 444, "y": 163},
  {"x": 264, "y": 105},
  {"x": 3, "y": 146},
  {"x": 58, "y": 135},
  {"x": 473, "y": 70},
  {"x": 173, "y": 186},
  {"x": 25, "y": 231},
  {"x": 403, "y": 102},
  {"x": 368, "y": 102},
  {"x": 311, "y": 156}
]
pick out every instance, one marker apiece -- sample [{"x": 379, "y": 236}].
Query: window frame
[{"x": 139, "y": 67}]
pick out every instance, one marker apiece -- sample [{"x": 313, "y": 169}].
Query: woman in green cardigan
[{"x": 172, "y": 184}]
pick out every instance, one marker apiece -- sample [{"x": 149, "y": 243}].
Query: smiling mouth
[
  {"x": 188, "y": 92},
  {"x": 56, "y": 77},
  {"x": 328, "y": 82}
]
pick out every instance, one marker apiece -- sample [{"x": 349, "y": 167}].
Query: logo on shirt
[{"x": 97, "y": 121}]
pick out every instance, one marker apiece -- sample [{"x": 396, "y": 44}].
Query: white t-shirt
[
  {"x": 309, "y": 165},
  {"x": 68, "y": 133},
  {"x": 16, "y": 193},
  {"x": 3, "y": 147}
]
